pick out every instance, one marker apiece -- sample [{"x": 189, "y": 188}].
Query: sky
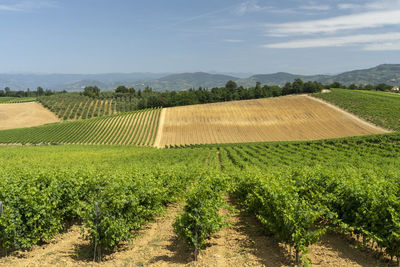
[{"x": 231, "y": 36}]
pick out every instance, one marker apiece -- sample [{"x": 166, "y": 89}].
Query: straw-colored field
[
  {"x": 272, "y": 119},
  {"x": 24, "y": 115}
]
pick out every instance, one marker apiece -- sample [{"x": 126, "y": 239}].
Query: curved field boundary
[
  {"x": 133, "y": 128},
  {"x": 354, "y": 117},
  {"x": 287, "y": 118},
  {"x": 19, "y": 115},
  {"x": 380, "y": 108}
]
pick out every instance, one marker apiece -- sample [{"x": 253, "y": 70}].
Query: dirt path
[
  {"x": 242, "y": 244},
  {"x": 25, "y": 115},
  {"x": 160, "y": 128}
]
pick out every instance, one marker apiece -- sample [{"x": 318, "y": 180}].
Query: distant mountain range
[{"x": 386, "y": 73}]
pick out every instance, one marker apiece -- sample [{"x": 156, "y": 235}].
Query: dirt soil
[
  {"x": 21, "y": 115},
  {"x": 286, "y": 118},
  {"x": 241, "y": 244}
]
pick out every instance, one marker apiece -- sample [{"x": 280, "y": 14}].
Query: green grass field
[{"x": 380, "y": 108}]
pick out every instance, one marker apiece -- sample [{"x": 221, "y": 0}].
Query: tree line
[
  {"x": 7, "y": 92},
  {"x": 353, "y": 86},
  {"x": 148, "y": 98}
]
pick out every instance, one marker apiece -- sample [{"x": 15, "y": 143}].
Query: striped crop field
[
  {"x": 133, "y": 128},
  {"x": 286, "y": 118}
]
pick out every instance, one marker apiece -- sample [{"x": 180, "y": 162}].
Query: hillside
[
  {"x": 386, "y": 73},
  {"x": 279, "y": 78},
  {"x": 285, "y": 118},
  {"x": 380, "y": 108},
  {"x": 129, "y": 200},
  {"x": 185, "y": 81}
]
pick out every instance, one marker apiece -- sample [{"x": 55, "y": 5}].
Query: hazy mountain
[
  {"x": 185, "y": 81},
  {"x": 72, "y": 82},
  {"x": 387, "y": 73},
  {"x": 80, "y": 85},
  {"x": 279, "y": 78}
]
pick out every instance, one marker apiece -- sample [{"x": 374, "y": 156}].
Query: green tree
[
  {"x": 352, "y": 86},
  {"x": 40, "y": 91},
  {"x": 231, "y": 86},
  {"x": 7, "y": 90},
  {"x": 297, "y": 86},
  {"x": 91, "y": 91},
  {"x": 122, "y": 89}
]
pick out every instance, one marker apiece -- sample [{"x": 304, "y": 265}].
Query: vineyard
[
  {"x": 299, "y": 191},
  {"x": 74, "y": 106},
  {"x": 9, "y": 100},
  {"x": 132, "y": 128},
  {"x": 380, "y": 108}
]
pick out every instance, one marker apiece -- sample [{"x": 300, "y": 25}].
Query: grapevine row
[{"x": 134, "y": 128}]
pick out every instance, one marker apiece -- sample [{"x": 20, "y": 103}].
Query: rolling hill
[{"x": 386, "y": 73}]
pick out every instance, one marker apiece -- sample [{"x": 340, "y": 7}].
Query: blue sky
[{"x": 254, "y": 36}]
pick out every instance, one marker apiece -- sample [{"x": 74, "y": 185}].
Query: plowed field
[
  {"x": 24, "y": 115},
  {"x": 271, "y": 119}
]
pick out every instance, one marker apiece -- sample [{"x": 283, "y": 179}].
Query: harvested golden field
[
  {"x": 285, "y": 118},
  {"x": 21, "y": 115}
]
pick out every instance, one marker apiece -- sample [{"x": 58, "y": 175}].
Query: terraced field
[
  {"x": 271, "y": 119},
  {"x": 134, "y": 128}
]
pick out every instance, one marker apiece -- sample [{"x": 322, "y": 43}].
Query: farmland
[
  {"x": 9, "y": 100},
  {"x": 271, "y": 119},
  {"x": 132, "y": 128},
  {"x": 75, "y": 106},
  {"x": 318, "y": 185},
  {"x": 380, "y": 108},
  {"x": 18, "y": 115},
  {"x": 299, "y": 201}
]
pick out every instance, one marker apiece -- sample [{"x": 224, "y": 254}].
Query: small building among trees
[{"x": 395, "y": 89}]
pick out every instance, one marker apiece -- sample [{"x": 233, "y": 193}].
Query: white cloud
[
  {"x": 372, "y": 5},
  {"x": 27, "y": 5},
  {"x": 316, "y": 7},
  {"x": 349, "y": 6},
  {"x": 9, "y": 8},
  {"x": 233, "y": 40},
  {"x": 383, "y": 47},
  {"x": 371, "y": 41},
  {"x": 248, "y": 7},
  {"x": 332, "y": 25}
]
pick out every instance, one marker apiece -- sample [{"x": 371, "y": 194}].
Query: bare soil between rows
[{"x": 156, "y": 244}]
